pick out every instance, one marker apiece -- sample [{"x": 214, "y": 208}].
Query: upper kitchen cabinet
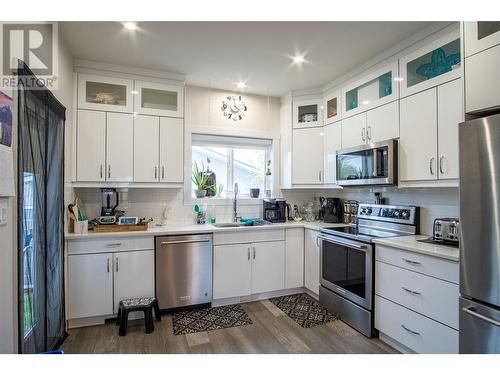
[
  {"x": 159, "y": 99},
  {"x": 105, "y": 93},
  {"x": 332, "y": 107},
  {"x": 372, "y": 90},
  {"x": 307, "y": 113},
  {"x": 434, "y": 64},
  {"x": 307, "y": 156},
  {"x": 332, "y": 142},
  {"x": 480, "y": 35}
]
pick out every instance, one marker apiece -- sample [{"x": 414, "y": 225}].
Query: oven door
[
  {"x": 373, "y": 164},
  {"x": 346, "y": 268}
]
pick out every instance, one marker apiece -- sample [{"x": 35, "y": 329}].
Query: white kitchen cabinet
[
  {"x": 354, "y": 131},
  {"x": 482, "y": 80},
  {"x": 418, "y": 136},
  {"x": 286, "y": 145},
  {"x": 90, "y": 285},
  {"x": 450, "y": 114},
  {"x": 332, "y": 107},
  {"x": 382, "y": 123},
  {"x": 311, "y": 261},
  {"x": 105, "y": 93},
  {"x": 332, "y": 142},
  {"x": 232, "y": 270},
  {"x": 480, "y": 35},
  {"x": 146, "y": 148},
  {"x": 307, "y": 156},
  {"x": 419, "y": 68},
  {"x": 294, "y": 258},
  {"x": 91, "y": 146},
  {"x": 370, "y": 90},
  {"x": 133, "y": 275},
  {"x": 307, "y": 113},
  {"x": 268, "y": 266},
  {"x": 159, "y": 99},
  {"x": 119, "y": 147},
  {"x": 171, "y": 150}
]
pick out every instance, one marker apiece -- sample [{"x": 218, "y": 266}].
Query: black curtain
[{"x": 40, "y": 216}]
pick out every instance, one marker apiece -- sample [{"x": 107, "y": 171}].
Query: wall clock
[{"x": 233, "y": 107}]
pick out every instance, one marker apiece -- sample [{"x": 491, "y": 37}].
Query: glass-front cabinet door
[
  {"x": 372, "y": 90},
  {"x": 481, "y": 35},
  {"x": 307, "y": 113},
  {"x": 434, "y": 64},
  {"x": 332, "y": 107},
  {"x": 105, "y": 93},
  {"x": 159, "y": 99}
]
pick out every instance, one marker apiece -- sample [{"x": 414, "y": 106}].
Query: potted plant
[{"x": 200, "y": 180}]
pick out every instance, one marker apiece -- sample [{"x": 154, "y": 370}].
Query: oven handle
[{"x": 351, "y": 244}]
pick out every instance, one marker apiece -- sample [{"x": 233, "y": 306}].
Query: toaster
[{"x": 446, "y": 230}]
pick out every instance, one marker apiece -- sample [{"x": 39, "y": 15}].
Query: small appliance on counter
[
  {"x": 274, "y": 210},
  {"x": 110, "y": 201},
  {"x": 331, "y": 210},
  {"x": 446, "y": 231}
]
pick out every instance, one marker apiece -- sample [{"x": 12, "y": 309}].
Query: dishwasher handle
[{"x": 184, "y": 241}]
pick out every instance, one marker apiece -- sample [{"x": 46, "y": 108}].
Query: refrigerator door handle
[{"x": 470, "y": 311}]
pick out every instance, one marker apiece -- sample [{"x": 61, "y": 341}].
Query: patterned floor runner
[
  {"x": 209, "y": 319},
  {"x": 304, "y": 310}
]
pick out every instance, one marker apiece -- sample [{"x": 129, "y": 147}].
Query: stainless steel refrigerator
[{"x": 480, "y": 235}]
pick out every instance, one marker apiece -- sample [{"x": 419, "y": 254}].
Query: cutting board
[{"x": 120, "y": 228}]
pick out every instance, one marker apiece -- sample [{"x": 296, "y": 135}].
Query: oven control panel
[{"x": 387, "y": 213}]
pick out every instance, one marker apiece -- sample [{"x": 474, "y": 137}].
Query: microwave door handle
[{"x": 375, "y": 162}]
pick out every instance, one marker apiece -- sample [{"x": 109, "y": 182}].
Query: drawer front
[
  {"x": 420, "y": 334},
  {"x": 428, "y": 265},
  {"x": 106, "y": 245},
  {"x": 248, "y": 236},
  {"x": 426, "y": 295}
]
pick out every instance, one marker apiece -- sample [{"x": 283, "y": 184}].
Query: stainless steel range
[{"x": 347, "y": 261}]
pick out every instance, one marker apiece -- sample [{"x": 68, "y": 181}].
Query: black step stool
[{"x": 145, "y": 304}]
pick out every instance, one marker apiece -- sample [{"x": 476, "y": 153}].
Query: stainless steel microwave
[{"x": 371, "y": 164}]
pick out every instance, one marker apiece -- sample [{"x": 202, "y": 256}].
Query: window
[{"x": 234, "y": 159}]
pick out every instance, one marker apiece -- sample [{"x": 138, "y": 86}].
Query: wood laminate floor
[{"x": 272, "y": 332}]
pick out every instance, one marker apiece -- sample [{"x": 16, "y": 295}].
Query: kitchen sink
[{"x": 227, "y": 225}]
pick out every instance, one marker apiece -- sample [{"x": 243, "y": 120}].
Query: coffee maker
[
  {"x": 110, "y": 201},
  {"x": 274, "y": 210},
  {"x": 330, "y": 210}
]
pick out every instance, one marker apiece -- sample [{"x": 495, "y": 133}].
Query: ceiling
[{"x": 258, "y": 53}]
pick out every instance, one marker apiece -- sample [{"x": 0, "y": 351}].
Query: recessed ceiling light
[
  {"x": 134, "y": 92},
  {"x": 298, "y": 59},
  {"x": 399, "y": 79},
  {"x": 130, "y": 26},
  {"x": 241, "y": 85},
  {"x": 365, "y": 102}
]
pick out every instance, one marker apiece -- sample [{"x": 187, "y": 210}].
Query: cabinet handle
[
  {"x": 441, "y": 169},
  {"x": 363, "y": 134},
  {"x": 109, "y": 170},
  {"x": 411, "y": 291},
  {"x": 114, "y": 244},
  {"x": 369, "y": 133},
  {"x": 107, "y": 265},
  {"x": 100, "y": 172},
  {"x": 431, "y": 162},
  {"x": 317, "y": 241},
  {"x": 412, "y": 262},
  {"x": 320, "y": 176},
  {"x": 116, "y": 263},
  {"x": 248, "y": 252},
  {"x": 156, "y": 172},
  {"x": 162, "y": 172},
  {"x": 410, "y": 330},
  {"x": 254, "y": 252}
]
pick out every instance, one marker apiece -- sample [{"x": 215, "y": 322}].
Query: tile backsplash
[{"x": 433, "y": 202}]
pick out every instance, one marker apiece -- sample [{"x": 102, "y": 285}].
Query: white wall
[{"x": 8, "y": 233}]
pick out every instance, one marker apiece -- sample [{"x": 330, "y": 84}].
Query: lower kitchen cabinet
[
  {"x": 232, "y": 270},
  {"x": 98, "y": 282},
  {"x": 294, "y": 258},
  {"x": 268, "y": 266},
  {"x": 311, "y": 261},
  {"x": 90, "y": 285}
]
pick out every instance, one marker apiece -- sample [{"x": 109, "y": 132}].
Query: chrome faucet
[{"x": 235, "y": 204}]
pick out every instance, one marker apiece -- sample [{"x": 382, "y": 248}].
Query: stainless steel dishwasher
[{"x": 183, "y": 270}]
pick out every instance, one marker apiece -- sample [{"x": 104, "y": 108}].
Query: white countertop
[
  {"x": 177, "y": 229},
  {"x": 410, "y": 243}
]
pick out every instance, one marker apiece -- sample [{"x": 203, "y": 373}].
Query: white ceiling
[{"x": 227, "y": 52}]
